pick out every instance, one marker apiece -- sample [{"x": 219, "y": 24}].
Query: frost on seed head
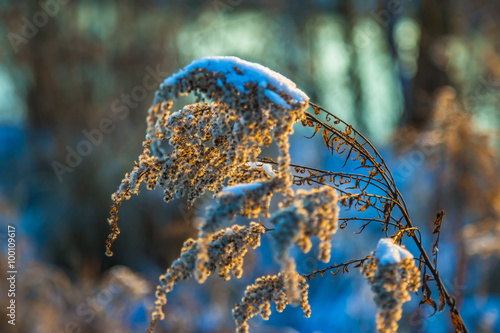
[
  {"x": 247, "y": 199},
  {"x": 312, "y": 213},
  {"x": 241, "y": 107},
  {"x": 258, "y": 299},
  {"x": 225, "y": 251},
  {"x": 392, "y": 273}
]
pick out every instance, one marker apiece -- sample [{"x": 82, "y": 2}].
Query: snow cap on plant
[
  {"x": 250, "y": 106},
  {"x": 392, "y": 274}
]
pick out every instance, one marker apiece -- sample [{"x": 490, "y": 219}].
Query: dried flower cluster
[
  {"x": 245, "y": 199},
  {"x": 250, "y": 106},
  {"x": 225, "y": 251},
  {"x": 258, "y": 299},
  {"x": 392, "y": 274},
  {"x": 312, "y": 213},
  {"x": 214, "y": 145}
]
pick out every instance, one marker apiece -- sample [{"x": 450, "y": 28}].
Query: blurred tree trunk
[
  {"x": 434, "y": 23},
  {"x": 348, "y": 11}
]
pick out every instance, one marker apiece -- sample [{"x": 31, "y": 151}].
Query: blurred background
[{"x": 420, "y": 78}]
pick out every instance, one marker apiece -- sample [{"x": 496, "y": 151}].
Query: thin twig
[{"x": 312, "y": 275}]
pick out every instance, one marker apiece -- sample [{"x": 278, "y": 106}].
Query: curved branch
[{"x": 394, "y": 193}]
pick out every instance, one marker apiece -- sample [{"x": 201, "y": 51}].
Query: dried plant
[
  {"x": 216, "y": 144},
  {"x": 259, "y": 296},
  {"x": 468, "y": 165}
]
